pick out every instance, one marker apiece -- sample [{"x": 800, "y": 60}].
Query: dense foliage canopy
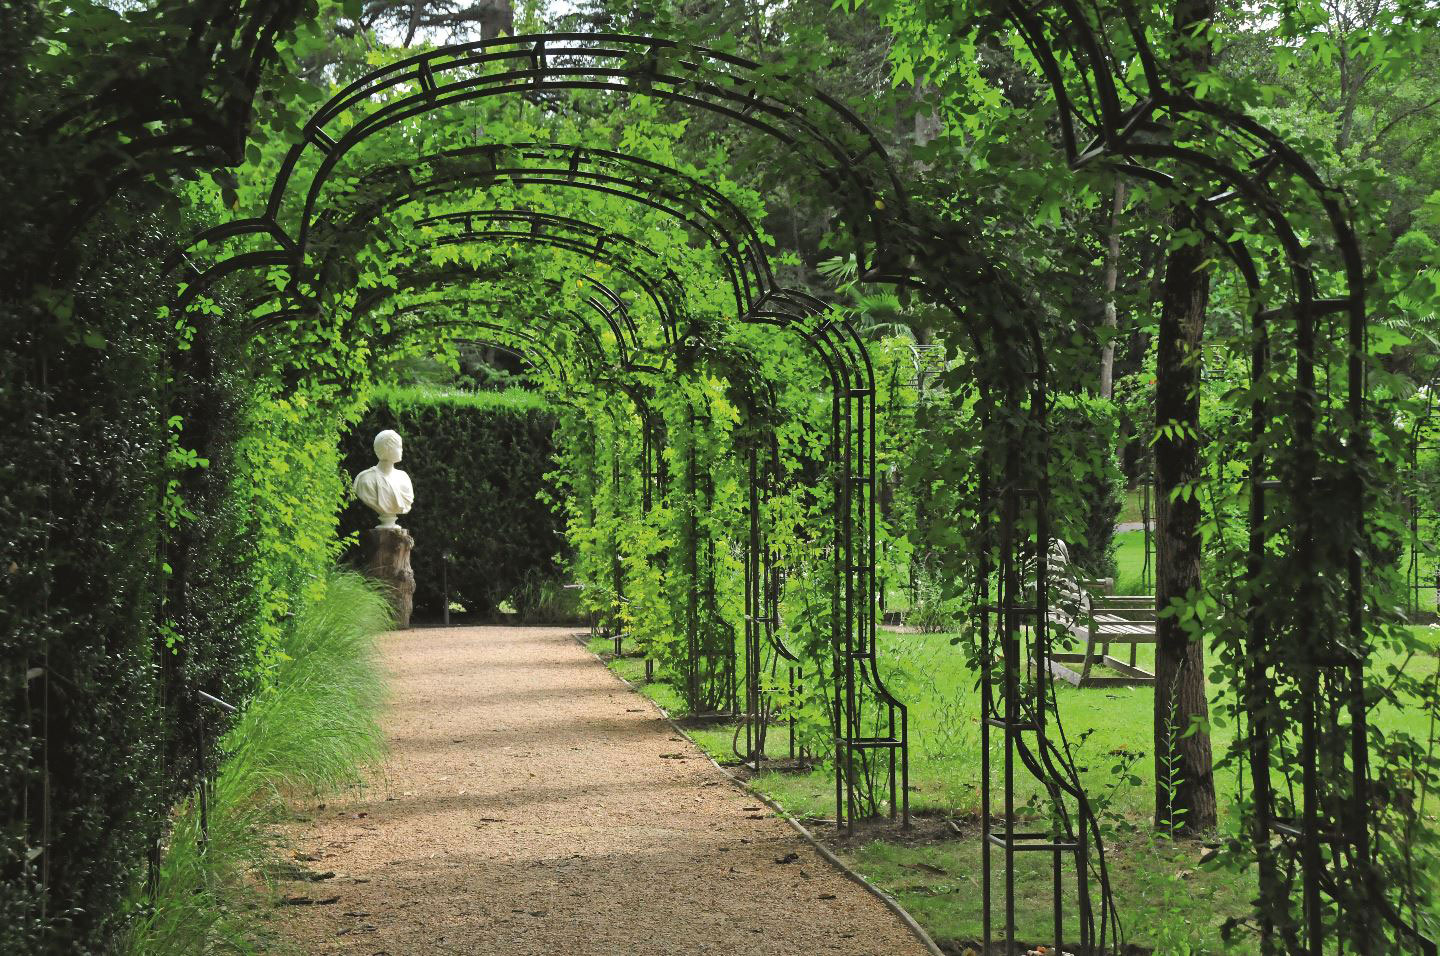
[{"x": 702, "y": 304}]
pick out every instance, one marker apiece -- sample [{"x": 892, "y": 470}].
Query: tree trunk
[
  {"x": 1184, "y": 776},
  {"x": 1184, "y": 783},
  {"x": 1112, "y": 277}
]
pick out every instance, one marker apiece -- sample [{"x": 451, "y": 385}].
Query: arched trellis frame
[
  {"x": 890, "y": 242},
  {"x": 607, "y": 369},
  {"x": 852, "y": 413},
  {"x": 1309, "y": 472},
  {"x": 1112, "y": 124},
  {"x": 855, "y": 557},
  {"x": 701, "y": 209},
  {"x": 856, "y": 664}
]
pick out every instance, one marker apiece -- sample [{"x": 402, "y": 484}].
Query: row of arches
[{"x": 324, "y": 251}]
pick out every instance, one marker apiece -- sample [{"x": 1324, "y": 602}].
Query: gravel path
[{"x": 532, "y": 804}]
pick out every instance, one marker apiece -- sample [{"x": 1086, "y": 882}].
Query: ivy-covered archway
[{"x": 1299, "y": 641}]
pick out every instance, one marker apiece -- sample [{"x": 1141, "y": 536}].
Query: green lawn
[
  {"x": 1131, "y": 577},
  {"x": 938, "y": 882},
  {"x": 1130, "y": 574},
  {"x": 1130, "y": 509},
  {"x": 1168, "y": 899}
]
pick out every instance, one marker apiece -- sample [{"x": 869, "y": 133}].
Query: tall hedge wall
[
  {"x": 82, "y": 730},
  {"x": 477, "y": 461},
  {"x": 165, "y": 512}
]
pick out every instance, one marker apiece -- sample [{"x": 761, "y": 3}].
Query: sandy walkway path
[{"x": 534, "y": 805}]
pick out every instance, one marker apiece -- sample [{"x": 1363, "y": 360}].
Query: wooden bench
[{"x": 1111, "y": 619}]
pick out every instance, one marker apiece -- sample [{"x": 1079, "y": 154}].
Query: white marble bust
[{"x": 385, "y": 488}]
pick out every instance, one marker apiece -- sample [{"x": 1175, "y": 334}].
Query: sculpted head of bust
[{"x": 389, "y": 447}]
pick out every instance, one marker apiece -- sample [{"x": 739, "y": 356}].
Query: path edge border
[{"x": 892, "y": 904}]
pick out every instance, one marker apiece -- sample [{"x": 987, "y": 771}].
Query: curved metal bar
[
  {"x": 554, "y": 366},
  {"x": 447, "y": 275},
  {"x": 714, "y": 82},
  {"x": 667, "y": 293},
  {"x": 635, "y": 179}
]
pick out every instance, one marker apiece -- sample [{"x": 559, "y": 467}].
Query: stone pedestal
[{"x": 387, "y": 560}]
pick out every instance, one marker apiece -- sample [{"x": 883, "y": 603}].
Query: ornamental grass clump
[{"x": 311, "y": 729}]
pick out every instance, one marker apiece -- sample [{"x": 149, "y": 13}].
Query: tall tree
[
  {"x": 1112, "y": 274},
  {"x": 1184, "y": 778}
]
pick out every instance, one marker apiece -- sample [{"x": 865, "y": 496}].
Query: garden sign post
[{"x": 388, "y": 492}]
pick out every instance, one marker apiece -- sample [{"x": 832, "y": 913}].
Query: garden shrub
[
  {"x": 1088, "y": 493},
  {"x": 478, "y": 462},
  {"x": 101, "y": 594},
  {"x": 165, "y": 516}
]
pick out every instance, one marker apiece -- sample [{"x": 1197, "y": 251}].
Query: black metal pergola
[{"x": 1108, "y": 117}]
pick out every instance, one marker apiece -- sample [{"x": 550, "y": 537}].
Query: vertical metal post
[
  {"x": 617, "y": 568},
  {"x": 202, "y": 773},
  {"x": 837, "y": 638},
  {"x": 754, "y": 612},
  {"x": 987, "y": 697},
  {"x": 692, "y": 544},
  {"x": 852, "y": 703},
  {"x": 647, "y": 476},
  {"x": 1302, "y": 497},
  {"x": 1008, "y": 593}
]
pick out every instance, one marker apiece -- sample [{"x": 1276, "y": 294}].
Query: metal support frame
[
  {"x": 1424, "y": 437},
  {"x": 1117, "y": 105},
  {"x": 762, "y": 610},
  {"x": 1121, "y": 109}
]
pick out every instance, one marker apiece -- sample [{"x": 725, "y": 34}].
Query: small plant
[
  {"x": 1169, "y": 819},
  {"x": 930, "y": 611}
]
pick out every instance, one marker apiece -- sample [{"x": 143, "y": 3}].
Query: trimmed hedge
[
  {"x": 478, "y": 461},
  {"x": 164, "y": 516},
  {"x": 129, "y": 588}
]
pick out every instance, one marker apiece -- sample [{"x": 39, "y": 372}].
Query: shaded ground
[{"x": 533, "y": 805}]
